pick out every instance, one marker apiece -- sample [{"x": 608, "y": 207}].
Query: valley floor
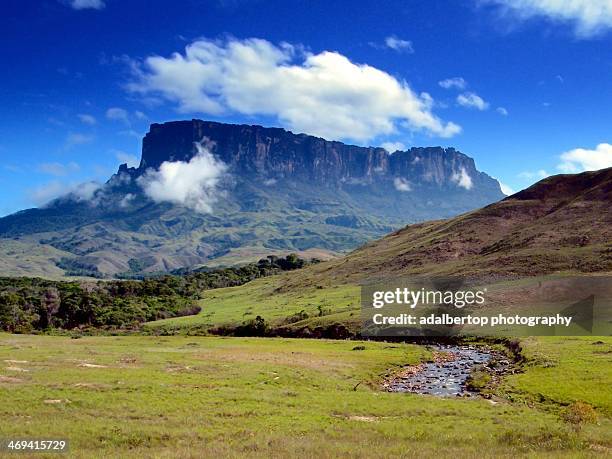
[{"x": 185, "y": 396}]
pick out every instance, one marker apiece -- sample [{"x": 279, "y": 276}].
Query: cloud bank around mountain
[
  {"x": 324, "y": 94},
  {"x": 193, "y": 184},
  {"x": 462, "y": 179},
  {"x": 79, "y": 192}
]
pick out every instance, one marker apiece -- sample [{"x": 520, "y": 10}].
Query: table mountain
[{"x": 214, "y": 193}]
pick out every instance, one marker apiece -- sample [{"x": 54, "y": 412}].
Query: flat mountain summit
[{"x": 214, "y": 193}]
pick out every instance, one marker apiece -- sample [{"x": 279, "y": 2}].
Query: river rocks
[{"x": 447, "y": 373}]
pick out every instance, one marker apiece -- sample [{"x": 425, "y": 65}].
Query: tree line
[{"x": 35, "y": 304}]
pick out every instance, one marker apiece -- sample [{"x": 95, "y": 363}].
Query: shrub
[{"x": 579, "y": 413}]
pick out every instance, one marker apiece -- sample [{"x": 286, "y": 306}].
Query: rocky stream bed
[{"x": 448, "y": 373}]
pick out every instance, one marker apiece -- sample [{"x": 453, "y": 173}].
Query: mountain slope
[
  {"x": 560, "y": 224},
  {"x": 280, "y": 192}
]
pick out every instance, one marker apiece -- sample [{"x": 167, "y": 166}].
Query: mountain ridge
[
  {"x": 561, "y": 224},
  {"x": 278, "y": 192}
]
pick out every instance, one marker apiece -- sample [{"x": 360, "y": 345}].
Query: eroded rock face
[
  {"x": 280, "y": 192},
  {"x": 280, "y": 154}
]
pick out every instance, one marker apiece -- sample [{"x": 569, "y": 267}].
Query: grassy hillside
[
  {"x": 220, "y": 397},
  {"x": 561, "y": 225},
  {"x": 308, "y": 307}
]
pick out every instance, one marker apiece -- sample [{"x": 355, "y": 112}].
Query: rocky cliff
[
  {"x": 279, "y": 193},
  {"x": 276, "y": 153}
]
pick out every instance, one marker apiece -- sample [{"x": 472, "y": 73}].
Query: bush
[
  {"x": 255, "y": 327},
  {"x": 579, "y": 413}
]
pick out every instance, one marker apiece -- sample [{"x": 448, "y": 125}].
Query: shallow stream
[{"x": 447, "y": 375}]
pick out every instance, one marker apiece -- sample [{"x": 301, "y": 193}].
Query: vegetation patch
[{"x": 34, "y": 304}]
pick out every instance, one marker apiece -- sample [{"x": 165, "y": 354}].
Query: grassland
[
  {"x": 264, "y": 297},
  {"x": 226, "y": 397}
]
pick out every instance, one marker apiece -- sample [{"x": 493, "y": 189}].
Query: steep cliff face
[
  {"x": 280, "y": 154},
  {"x": 279, "y": 193}
]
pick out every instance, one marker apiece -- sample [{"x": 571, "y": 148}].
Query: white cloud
[
  {"x": 117, "y": 114},
  {"x": 58, "y": 169},
  {"x": 87, "y": 119},
  {"x": 507, "y": 190},
  {"x": 192, "y": 184},
  {"x": 462, "y": 179},
  {"x": 589, "y": 17},
  {"x": 533, "y": 175},
  {"x": 455, "y": 82},
  {"x": 126, "y": 200},
  {"x": 270, "y": 182},
  {"x": 87, "y": 4},
  {"x": 392, "y": 147},
  {"x": 472, "y": 100},
  {"x": 581, "y": 159},
  {"x": 74, "y": 139},
  {"x": 126, "y": 158},
  {"x": 502, "y": 111},
  {"x": 45, "y": 193},
  {"x": 401, "y": 184},
  {"x": 77, "y": 191},
  {"x": 323, "y": 94},
  {"x": 140, "y": 115},
  {"x": 397, "y": 44}
]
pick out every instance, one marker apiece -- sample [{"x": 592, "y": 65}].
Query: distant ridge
[
  {"x": 560, "y": 224},
  {"x": 279, "y": 192}
]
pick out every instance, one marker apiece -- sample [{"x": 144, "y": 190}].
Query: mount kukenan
[{"x": 273, "y": 192}]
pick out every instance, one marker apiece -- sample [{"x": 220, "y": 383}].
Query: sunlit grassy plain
[
  {"x": 183, "y": 396},
  {"x": 265, "y": 298},
  {"x": 203, "y": 396}
]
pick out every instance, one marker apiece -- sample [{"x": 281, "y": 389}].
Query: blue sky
[{"x": 523, "y": 86}]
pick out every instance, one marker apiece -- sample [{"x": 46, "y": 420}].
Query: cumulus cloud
[
  {"x": 462, "y": 179},
  {"x": 455, "y": 82},
  {"x": 502, "y": 111},
  {"x": 117, "y": 114},
  {"x": 472, "y": 100},
  {"x": 533, "y": 175},
  {"x": 401, "y": 184},
  {"x": 87, "y": 119},
  {"x": 323, "y": 94},
  {"x": 79, "y": 192},
  {"x": 86, "y": 4},
  {"x": 581, "y": 159},
  {"x": 58, "y": 169},
  {"x": 397, "y": 44},
  {"x": 589, "y": 17},
  {"x": 192, "y": 184},
  {"x": 392, "y": 147}
]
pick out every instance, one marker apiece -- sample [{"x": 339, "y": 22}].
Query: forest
[{"x": 35, "y": 304}]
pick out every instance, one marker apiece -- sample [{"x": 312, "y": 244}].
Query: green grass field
[
  {"x": 182, "y": 396},
  {"x": 234, "y": 305}
]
